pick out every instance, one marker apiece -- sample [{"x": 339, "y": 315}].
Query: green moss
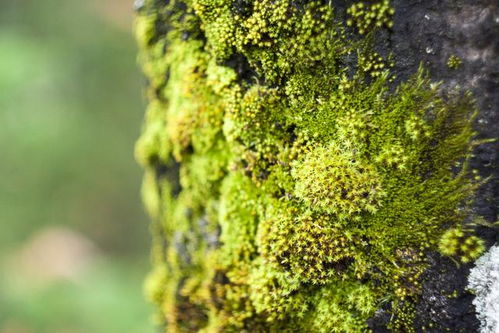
[
  {"x": 368, "y": 15},
  {"x": 335, "y": 180},
  {"x": 308, "y": 193},
  {"x": 311, "y": 247},
  {"x": 455, "y": 242},
  {"x": 342, "y": 307},
  {"x": 454, "y": 62},
  {"x": 372, "y": 63},
  {"x": 404, "y": 314}
]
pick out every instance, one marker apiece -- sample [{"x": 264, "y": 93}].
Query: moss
[
  {"x": 372, "y": 63},
  {"x": 342, "y": 307},
  {"x": 335, "y": 180},
  {"x": 368, "y": 15},
  {"x": 309, "y": 246},
  {"x": 455, "y": 242},
  {"x": 454, "y": 62},
  {"x": 290, "y": 191},
  {"x": 404, "y": 314}
]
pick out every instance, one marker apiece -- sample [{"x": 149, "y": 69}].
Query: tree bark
[{"x": 319, "y": 166}]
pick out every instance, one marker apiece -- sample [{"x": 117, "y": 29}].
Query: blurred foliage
[
  {"x": 107, "y": 300},
  {"x": 70, "y": 111}
]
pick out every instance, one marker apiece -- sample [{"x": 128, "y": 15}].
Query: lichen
[
  {"x": 484, "y": 282},
  {"x": 291, "y": 190}
]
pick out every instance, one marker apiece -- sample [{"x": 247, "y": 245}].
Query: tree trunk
[{"x": 321, "y": 166}]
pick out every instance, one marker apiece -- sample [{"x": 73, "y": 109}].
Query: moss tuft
[
  {"x": 455, "y": 242},
  {"x": 454, "y": 62},
  {"x": 367, "y": 16},
  {"x": 335, "y": 180}
]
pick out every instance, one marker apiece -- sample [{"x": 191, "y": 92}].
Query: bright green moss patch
[
  {"x": 288, "y": 191},
  {"x": 455, "y": 242},
  {"x": 335, "y": 180},
  {"x": 342, "y": 307}
]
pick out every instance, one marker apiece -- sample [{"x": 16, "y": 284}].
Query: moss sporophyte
[{"x": 290, "y": 191}]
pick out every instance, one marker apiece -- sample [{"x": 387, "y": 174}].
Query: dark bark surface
[{"x": 429, "y": 32}]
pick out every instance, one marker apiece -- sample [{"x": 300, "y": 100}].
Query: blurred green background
[{"x": 73, "y": 236}]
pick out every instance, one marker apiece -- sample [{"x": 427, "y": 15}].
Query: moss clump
[
  {"x": 455, "y": 242},
  {"x": 276, "y": 37},
  {"x": 367, "y": 16},
  {"x": 334, "y": 180},
  {"x": 288, "y": 190},
  {"x": 342, "y": 307},
  {"x": 454, "y": 62},
  {"x": 372, "y": 64},
  {"x": 309, "y": 246}
]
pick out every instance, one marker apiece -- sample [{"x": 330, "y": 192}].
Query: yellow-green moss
[
  {"x": 371, "y": 14},
  {"x": 454, "y": 62},
  {"x": 455, "y": 242},
  {"x": 335, "y": 180},
  {"x": 288, "y": 191}
]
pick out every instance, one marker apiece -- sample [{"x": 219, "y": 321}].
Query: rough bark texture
[
  {"x": 430, "y": 32},
  {"x": 304, "y": 173}
]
